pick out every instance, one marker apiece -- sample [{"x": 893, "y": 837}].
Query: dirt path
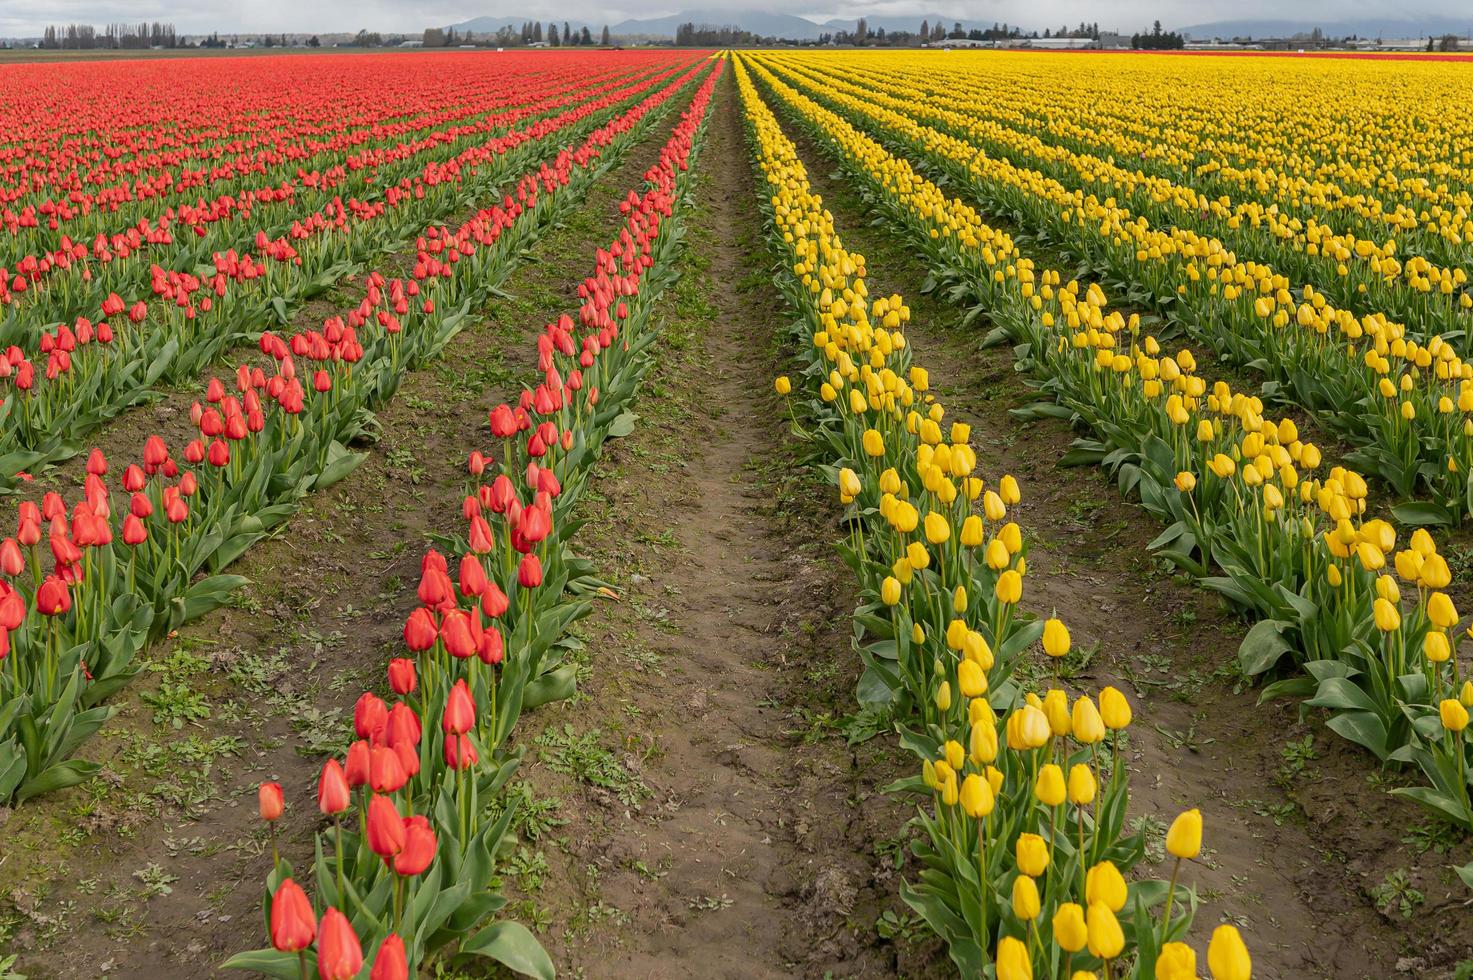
[
  {"x": 158, "y": 865},
  {"x": 1299, "y": 839},
  {"x": 714, "y": 822}
]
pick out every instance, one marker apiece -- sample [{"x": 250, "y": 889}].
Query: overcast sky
[{"x": 27, "y": 17}]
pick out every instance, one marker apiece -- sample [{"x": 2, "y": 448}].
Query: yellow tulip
[
  {"x": 1050, "y": 787},
  {"x": 1184, "y": 839},
  {"x": 1106, "y": 940},
  {"x": 1025, "y": 898},
  {"x": 1013, "y": 960},
  {"x": 1441, "y": 611},
  {"x": 1227, "y": 956},
  {"x": 938, "y": 529},
  {"x": 1176, "y": 961},
  {"x": 1032, "y": 855},
  {"x": 976, "y": 797},
  {"x": 1055, "y": 638},
  {"x": 1082, "y": 785},
  {"x": 1070, "y": 931},
  {"x": 890, "y": 590},
  {"x": 1454, "y": 715},
  {"x": 1114, "y": 709},
  {"x": 1009, "y": 588},
  {"x": 874, "y": 443},
  {"x": 1088, "y": 727},
  {"x": 783, "y": 385},
  {"x": 1103, "y": 884},
  {"x": 971, "y": 679}
]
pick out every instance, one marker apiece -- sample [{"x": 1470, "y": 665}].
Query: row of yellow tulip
[
  {"x": 1025, "y": 854},
  {"x": 1354, "y": 271},
  {"x": 1355, "y": 259},
  {"x": 1247, "y": 510},
  {"x": 1408, "y": 406}
]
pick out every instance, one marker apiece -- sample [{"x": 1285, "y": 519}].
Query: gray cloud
[{"x": 27, "y": 17}]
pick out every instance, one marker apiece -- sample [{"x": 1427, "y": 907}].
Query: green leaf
[
  {"x": 1421, "y": 512},
  {"x": 512, "y": 945},
  {"x": 622, "y": 426},
  {"x": 1262, "y": 648}
]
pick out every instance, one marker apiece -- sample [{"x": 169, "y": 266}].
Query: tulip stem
[
  {"x": 1170, "y": 894},
  {"x": 302, "y": 961},
  {"x": 337, "y": 822}
]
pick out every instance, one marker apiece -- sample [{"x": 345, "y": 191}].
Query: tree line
[
  {"x": 509, "y": 37},
  {"x": 85, "y": 37}
]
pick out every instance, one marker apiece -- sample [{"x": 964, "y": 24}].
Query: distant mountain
[
  {"x": 1368, "y": 27},
  {"x": 758, "y": 22},
  {"x": 761, "y": 23},
  {"x": 492, "y": 23}
]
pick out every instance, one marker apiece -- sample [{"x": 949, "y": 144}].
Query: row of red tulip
[
  {"x": 95, "y": 369},
  {"x": 57, "y": 276},
  {"x": 405, "y": 867},
  {"x": 273, "y": 120},
  {"x": 124, "y": 570}
]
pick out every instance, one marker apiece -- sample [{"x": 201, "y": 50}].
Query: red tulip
[
  {"x": 133, "y": 478},
  {"x": 493, "y": 601},
  {"x": 339, "y": 954},
  {"x": 436, "y": 590},
  {"x": 271, "y": 801},
  {"x": 460, "y": 710},
  {"x": 482, "y": 541},
  {"x": 134, "y": 533},
  {"x": 492, "y": 647},
  {"x": 476, "y": 464},
  {"x": 12, "y": 562},
  {"x": 455, "y": 633},
  {"x": 333, "y": 794},
  {"x": 12, "y": 609},
  {"x": 97, "y": 463},
  {"x": 403, "y": 727},
  {"x": 369, "y": 715},
  {"x": 460, "y": 752},
  {"x": 402, "y": 676},
  {"x": 358, "y": 767},
  {"x": 385, "y": 772},
  {"x": 503, "y": 422},
  {"x": 53, "y": 598},
  {"x": 390, "y": 963},
  {"x": 419, "y": 848},
  {"x": 385, "y": 827},
  {"x": 420, "y": 630},
  {"x": 293, "y": 925},
  {"x": 529, "y": 572}
]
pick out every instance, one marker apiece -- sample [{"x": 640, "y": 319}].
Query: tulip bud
[
  {"x": 1055, "y": 638},
  {"x": 333, "y": 794},
  {"x": 271, "y": 801},
  {"x": 1104, "y": 885},
  {"x": 1049, "y": 787},
  {"x": 390, "y": 962},
  {"x": 1106, "y": 940},
  {"x": 1025, "y": 898},
  {"x": 460, "y": 710},
  {"x": 1032, "y": 855},
  {"x": 1227, "y": 956},
  {"x": 385, "y": 827},
  {"x": 339, "y": 954},
  {"x": 1013, "y": 961},
  {"x": 1176, "y": 961},
  {"x": 1454, "y": 715},
  {"x": 1184, "y": 839},
  {"x": 402, "y": 677},
  {"x": 293, "y": 925},
  {"x": 419, "y": 848},
  {"x": 1114, "y": 709},
  {"x": 1070, "y": 931}
]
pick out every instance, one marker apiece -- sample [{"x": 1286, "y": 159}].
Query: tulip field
[{"x": 781, "y": 513}]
